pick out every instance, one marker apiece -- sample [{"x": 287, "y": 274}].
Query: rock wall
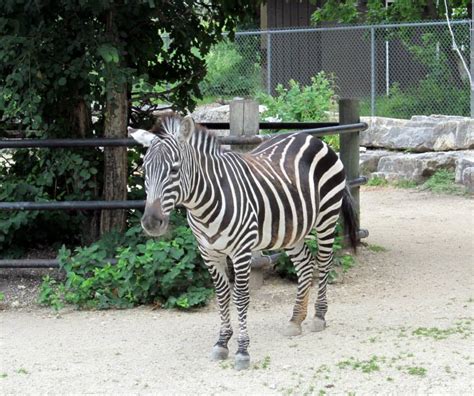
[
  {"x": 418, "y": 147},
  {"x": 420, "y": 134}
]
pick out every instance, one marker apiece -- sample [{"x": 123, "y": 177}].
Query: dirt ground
[{"x": 399, "y": 323}]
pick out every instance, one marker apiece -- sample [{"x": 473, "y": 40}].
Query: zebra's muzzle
[{"x": 154, "y": 222}]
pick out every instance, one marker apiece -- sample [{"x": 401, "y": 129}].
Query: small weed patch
[
  {"x": 405, "y": 184},
  {"x": 462, "y": 327},
  {"x": 377, "y": 182},
  {"x": 442, "y": 182},
  {"x": 264, "y": 364},
  {"x": 419, "y": 371},
  {"x": 377, "y": 248},
  {"x": 366, "y": 366}
]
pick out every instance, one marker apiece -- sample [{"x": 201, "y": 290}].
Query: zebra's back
[{"x": 297, "y": 181}]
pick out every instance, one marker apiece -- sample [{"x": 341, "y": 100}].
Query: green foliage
[
  {"x": 340, "y": 11},
  {"x": 366, "y": 366},
  {"x": 59, "y": 61},
  {"x": 441, "y": 89},
  {"x": 346, "y": 11},
  {"x": 303, "y": 103},
  {"x": 442, "y": 182},
  {"x": 168, "y": 271},
  {"x": 44, "y": 175},
  {"x": 229, "y": 72},
  {"x": 419, "y": 371},
  {"x": 285, "y": 268},
  {"x": 442, "y": 86},
  {"x": 2, "y": 296},
  {"x": 377, "y": 248},
  {"x": 377, "y": 182},
  {"x": 404, "y": 183}
]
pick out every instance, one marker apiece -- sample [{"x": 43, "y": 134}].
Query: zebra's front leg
[
  {"x": 303, "y": 261},
  {"x": 217, "y": 268},
  {"x": 241, "y": 298}
]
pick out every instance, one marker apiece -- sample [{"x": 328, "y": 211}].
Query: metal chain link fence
[{"x": 396, "y": 70}]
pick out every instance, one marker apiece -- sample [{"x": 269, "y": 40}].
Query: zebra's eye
[{"x": 174, "y": 169}]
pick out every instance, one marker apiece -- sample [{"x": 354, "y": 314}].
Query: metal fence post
[
  {"x": 269, "y": 63},
  {"x": 349, "y": 145},
  {"x": 372, "y": 71},
  {"x": 472, "y": 64}
]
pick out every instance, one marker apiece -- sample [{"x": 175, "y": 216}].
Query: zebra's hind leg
[
  {"x": 217, "y": 269},
  {"x": 241, "y": 298},
  {"x": 303, "y": 261},
  {"x": 325, "y": 235}
]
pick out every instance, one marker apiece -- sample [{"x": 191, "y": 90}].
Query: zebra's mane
[{"x": 168, "y": 126}]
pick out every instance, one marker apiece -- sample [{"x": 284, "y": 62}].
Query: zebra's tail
[{"x": 349, "y": 214}]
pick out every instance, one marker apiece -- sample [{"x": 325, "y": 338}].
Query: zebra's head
[{"x": 165, "y": 180}]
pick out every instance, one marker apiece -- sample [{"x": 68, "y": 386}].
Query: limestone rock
[
  {"x": 468, "y": 179},
  {"x": 461, "y": 164},
  {"x": 369, "y": 161},
  {"x": 417, "y": 167},
  {"x": 420, "y": 133}
]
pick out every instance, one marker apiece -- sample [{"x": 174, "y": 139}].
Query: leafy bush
[
  {"x": 229, "y": 72},
  {"x": 428, "y": 97},
  {"x": 168, "y": 271},
  {"x": 286, "y": 269},
  {"x": 441, "y": 91},
  {"x": 44, "y": 175},
  {"x": 303, "y": 103}
]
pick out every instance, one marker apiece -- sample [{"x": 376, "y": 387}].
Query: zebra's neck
[{"x": 205, "y": 163}]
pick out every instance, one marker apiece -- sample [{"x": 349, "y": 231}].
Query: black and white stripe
[{"x": 270, "y": 198}]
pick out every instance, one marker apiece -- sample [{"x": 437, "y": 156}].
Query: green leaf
[{"x": 109, "y": 53}]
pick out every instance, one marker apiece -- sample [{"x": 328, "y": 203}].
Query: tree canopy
[
  {"x": 76, "y": 68},
  {"x": 375, "y": 11}
]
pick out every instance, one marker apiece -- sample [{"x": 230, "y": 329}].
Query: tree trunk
[
  {"x": 115, "y": 161},
  {"x": 115, "y": 164}
]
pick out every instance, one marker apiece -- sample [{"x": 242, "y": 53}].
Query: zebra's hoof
[
  {"x": 292, "y": 329},
  {"x": 318, "y": 324},
  {"x": 219, "y": 353},
  {"x": 242, "y": 361}
]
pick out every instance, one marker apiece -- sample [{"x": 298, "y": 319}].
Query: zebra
[{"x": 267, "y": 199}]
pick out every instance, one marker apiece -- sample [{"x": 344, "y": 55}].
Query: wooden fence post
[
  {"x": 349, "y": 145},
  {"x": 244, "y": 120}
]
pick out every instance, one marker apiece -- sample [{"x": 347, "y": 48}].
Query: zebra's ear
[
  {"x": 186, "y": 129},
  {"x": 143, "y": 137}
]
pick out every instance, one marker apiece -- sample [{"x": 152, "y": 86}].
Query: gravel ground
[{"x": 400, "y": 323}]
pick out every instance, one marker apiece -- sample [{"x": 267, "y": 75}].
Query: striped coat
[{"x": 268, "y": 199}]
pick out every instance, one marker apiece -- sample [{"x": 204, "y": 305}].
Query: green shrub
[
  {"x": 168, "y": 271},
  {"x": 303, "y": 103},
  {"x": 231, "y": 70},
  {"x": 46, "y": 175},
  {"x": 426, "y": 98}
]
